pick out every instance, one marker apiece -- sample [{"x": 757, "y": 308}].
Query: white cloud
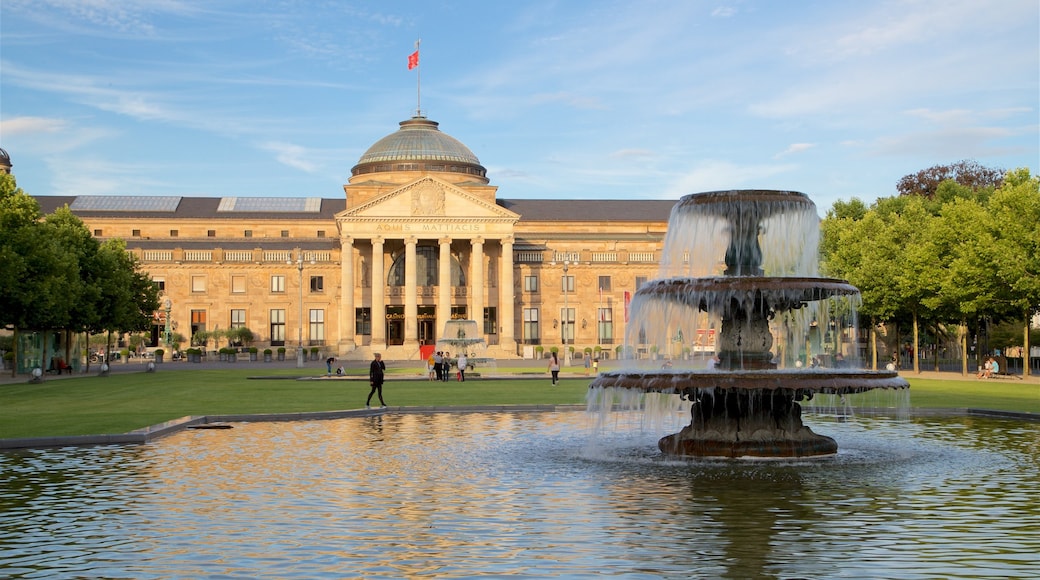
[
  {"x": 794, "y": 148},
  {"x": 30, "y": 125},
  {"x": 722, "y": 175},
  {"x": 292, "y": 155}
]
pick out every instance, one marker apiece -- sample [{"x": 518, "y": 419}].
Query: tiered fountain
[
  {"x": 765, "y": 243},
  {"x": 463, "y": 337}
]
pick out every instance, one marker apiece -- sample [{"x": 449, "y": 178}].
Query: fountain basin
[{"x": 829, "y": 381}]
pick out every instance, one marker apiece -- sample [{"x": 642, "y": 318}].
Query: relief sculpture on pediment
[{"x": 427, "y": 199}]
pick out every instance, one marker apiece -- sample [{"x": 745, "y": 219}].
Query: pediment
[{"x": 428, "y": 198}]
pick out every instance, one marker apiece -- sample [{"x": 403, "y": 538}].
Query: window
[
  {"x": 238, "y": 284},
  {"x": 285, "y": 233},
  {"x": 135, "y": 233},
  {"x": 317, "y": 331},
  {"x": 211, "y": 233},
  {"x": 567, "y": 326},
  {"x": 321, "y": 233},
  {"x": 640, "y": 282},
  {"x": 317, "y": 283},
  {"x": 531, "y": 326},
  {"x": 97, "y": 233},
  {"x": 604, "y": 283},
  {"x": 605, "y": 325},
  {"x": 173, "y": 233},
  {"x": 568, "y": 283},
  {"x": 247, "y": 234},
  {"x": 198, "y": 324},
  {"x": 198, "y": 283},
  {"x": 238, "y": 318},
  {"x": 277, "y": 327},
  {"x": 277, "y": 283},
  {"x": 362, "y": 321},
  {"x": 459, "y": 313},
  {"x": 160, "y": 284},
  {"x": 530, "y": 283},
  {"x": 490, "y": 320}
]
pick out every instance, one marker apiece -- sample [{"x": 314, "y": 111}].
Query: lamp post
[
  {"x": 566, "y": 315},
  {"x": 168, "y": 306},
  {"x": 299, "y": 349}
]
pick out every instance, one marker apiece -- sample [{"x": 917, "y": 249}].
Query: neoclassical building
[{"x": 418, "y": 238}]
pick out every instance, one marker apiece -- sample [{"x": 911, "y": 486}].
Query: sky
[{"x": 559, "y": 99}]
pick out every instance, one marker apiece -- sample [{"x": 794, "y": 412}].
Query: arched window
[{"x": 427, "y": 263}]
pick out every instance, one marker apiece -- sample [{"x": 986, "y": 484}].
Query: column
[
  {"x": 346, "y": 301},
  {"x": 411, "y": 299},
  {"x": 476, "y": 302},
  {"x": 443, "y": 286},
  {"x": 378, "y": 296},
  {"x": 506, "y": 297}
]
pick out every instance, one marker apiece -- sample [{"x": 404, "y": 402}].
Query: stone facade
[{"x": 411, "y": 248}]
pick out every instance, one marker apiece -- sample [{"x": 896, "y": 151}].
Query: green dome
[{"x": 419, "y": 146}]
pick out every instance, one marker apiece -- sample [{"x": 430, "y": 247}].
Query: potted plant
[
  {"x": 125, "y": 354},
  {"x": 159, "y": 354},
  {"x": 539, "y": 351},
  {"x": 267, "y": 355},
  {"x": 314, "y": 353},
  {"x": 252, "y": 353},
  {"x": 281, "y": 353},
  {"x": 8, "y": 360}
]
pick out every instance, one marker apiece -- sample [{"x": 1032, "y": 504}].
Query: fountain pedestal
[{"x": 747, "y": 423}]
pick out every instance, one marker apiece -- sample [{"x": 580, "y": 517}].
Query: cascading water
[{"x": 744, "y": 263}]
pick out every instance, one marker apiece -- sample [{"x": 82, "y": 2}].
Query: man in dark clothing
[{"x": 375, "y": 378}]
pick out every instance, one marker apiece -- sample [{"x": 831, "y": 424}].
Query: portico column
[
  {"x": 378, "y": 297},
  {"x": 476, "y": 303},
  {"x": 443, "y": 286},
  {"x": 346, "y": 301},
  {"x": 506, "y": 296},
  {"x": 411, "y": 300}
]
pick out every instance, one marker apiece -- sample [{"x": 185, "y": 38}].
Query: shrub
[
  {"x": 159, "y": 352},
  {"x": 267, "y": 351}
]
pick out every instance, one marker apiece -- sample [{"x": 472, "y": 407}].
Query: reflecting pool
[{"x": 525, "y": 495}]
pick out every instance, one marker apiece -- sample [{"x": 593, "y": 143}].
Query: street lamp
[
  {"x": 566, "y": 316},
  {"x": 168, "y": 306},
  {"x": 299, "y": 267}
]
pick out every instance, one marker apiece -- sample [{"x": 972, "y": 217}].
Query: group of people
[
  {"x": 990, "y": 368},
  {"x": 439, "y": 364}
]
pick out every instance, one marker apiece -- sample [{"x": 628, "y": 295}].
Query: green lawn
[{"x": 124, "y": 402}]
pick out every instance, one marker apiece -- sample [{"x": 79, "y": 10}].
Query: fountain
[
  {"x": 747, "y": 262},
  {"x": 463, "y": 336}
]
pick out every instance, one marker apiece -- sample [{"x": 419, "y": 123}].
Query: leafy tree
[{"x": 925, "y": 183}]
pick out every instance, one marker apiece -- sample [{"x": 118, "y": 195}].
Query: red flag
[{"x": 413, "y": 60}]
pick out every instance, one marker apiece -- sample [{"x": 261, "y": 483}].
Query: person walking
[
  {"x": 554, "y": 368},
  {"x": 461, "y": 363},
  {"x": 376, "y": 371},
  {"x": 588, "y": 363}
]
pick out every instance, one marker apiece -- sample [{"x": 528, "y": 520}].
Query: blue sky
[{"x": 559, "y": 99}]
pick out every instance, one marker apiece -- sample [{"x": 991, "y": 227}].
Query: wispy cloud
[{"x": 794, "y": 148}]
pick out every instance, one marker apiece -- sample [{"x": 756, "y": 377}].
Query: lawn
[{"x": 123, "y": 402}]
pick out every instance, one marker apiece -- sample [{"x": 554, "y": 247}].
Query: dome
[
  {"x": 5, "y": 161},
  {"x": 419, "y": 146}
]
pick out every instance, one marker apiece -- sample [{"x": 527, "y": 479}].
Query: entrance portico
[{"x": 420, "y": 255}]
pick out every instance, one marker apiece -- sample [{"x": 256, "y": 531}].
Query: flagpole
[{"x": 418, "y": 83}]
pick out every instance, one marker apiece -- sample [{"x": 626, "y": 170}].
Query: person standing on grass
[
  {"x": 328, "y": 365},
  {"x": 375, "y": 378},
  {"x": 461, "y": 363},
  {"x": 554, "y": 368}
]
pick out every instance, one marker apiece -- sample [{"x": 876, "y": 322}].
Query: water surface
[{"x": 525, "y": 495}]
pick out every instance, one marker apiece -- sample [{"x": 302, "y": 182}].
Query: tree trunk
[
  {"x": 873, "y": 345},
  {"x": 962, "y": 330},
  {"x": 1025, "y": 349},
  {"x": 917, "y": 337}
]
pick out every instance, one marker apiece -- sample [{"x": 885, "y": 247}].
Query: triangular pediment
[{"x": 428, "y": 198}]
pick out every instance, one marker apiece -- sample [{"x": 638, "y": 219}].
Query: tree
[{"x": 969, "y": 173}]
